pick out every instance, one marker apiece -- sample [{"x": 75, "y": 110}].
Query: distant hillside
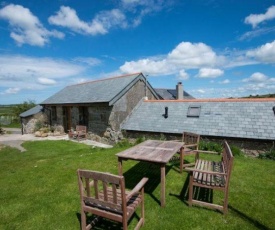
[
  {"x": 262, "y": 96},
  {"x": 6, "y": 109}
]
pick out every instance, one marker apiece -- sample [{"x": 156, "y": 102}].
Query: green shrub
[
  {"x": 210, "y": 146},
  {"x": 45, "y": 129},
  {"x": 1, "y": 130},
  {"x": 162, "y": 137},
  {"x": 38, "y": 125},
  {"x": 236, "y": 151},
  {"x": 268, "y": 155},
  {"x": 140, "y": 139},
  {"x": 123, "y": 143}
]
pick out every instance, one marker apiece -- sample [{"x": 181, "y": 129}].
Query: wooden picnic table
[{"x": 152, "y": 151}]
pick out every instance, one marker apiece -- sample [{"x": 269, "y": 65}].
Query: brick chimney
[{"x": 179, "y": 89}]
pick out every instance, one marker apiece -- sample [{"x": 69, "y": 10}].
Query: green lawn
[{"x": 39, "y": 190}]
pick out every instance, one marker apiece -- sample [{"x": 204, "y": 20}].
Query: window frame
[{"x": 192, "y": 113}]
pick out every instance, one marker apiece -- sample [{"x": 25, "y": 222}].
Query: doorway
[{"x": 67, "y": 121}]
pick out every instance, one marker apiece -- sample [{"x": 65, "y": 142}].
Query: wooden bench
[
  {"x": 212, "y": 175},
  {"x": 79, "y": 132}
]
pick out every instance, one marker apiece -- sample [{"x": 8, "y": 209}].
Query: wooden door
[{"x": 67, "y": 120}]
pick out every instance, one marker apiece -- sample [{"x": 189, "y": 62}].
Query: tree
[{"x": 20, "y": 108}]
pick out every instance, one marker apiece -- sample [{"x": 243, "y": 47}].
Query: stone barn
[{"x": 101, "y": 105}]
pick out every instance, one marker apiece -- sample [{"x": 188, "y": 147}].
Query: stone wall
[
  {"x": 125, "y": 105},
  {"x": 29, "y": 123},
  {"x": 248, "y": 146},
  {"x": 99, "y": 118}
]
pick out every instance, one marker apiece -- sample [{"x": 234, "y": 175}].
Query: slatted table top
[{"x": 152, "y": 151}]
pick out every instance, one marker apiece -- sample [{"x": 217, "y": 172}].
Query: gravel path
[{"x": 15, "y": 139}]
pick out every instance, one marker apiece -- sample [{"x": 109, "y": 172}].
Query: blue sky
[{"x": 216, "y": 48}]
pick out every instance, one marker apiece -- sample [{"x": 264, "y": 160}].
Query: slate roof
[
  {"x": 104, "y": 90},
  {"x": 239, "y": 118},
  {"x": 171, "y": 94},
  {"x": 32, "y": 111}
]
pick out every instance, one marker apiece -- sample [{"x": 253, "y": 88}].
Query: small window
[{"x": 194, "y": 111}]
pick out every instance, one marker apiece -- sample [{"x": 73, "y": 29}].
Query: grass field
[
  {"x": 6, "y": 109},
  {"x": 39, "y": 190}
]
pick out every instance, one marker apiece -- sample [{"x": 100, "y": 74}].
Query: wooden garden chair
[
  {"x": 104, "y": 195},
  {"x": 190, "y": 147},
  {"x": 80, "y": 132}
]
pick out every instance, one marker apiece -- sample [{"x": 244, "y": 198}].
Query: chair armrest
[
  {"x": 137, "y": 188},
  {"x": 204, "y": 171}
]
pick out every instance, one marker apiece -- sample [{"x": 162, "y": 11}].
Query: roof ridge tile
[{"x": 106, "y": 79}]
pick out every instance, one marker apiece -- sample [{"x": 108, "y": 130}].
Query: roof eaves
[
  {"x": 218, "y": 100},
  {"x": 32, "y": 111}
]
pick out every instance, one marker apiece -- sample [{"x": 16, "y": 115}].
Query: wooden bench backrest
[
  {"x": 81, "y": 128},
  {"x": 191, "y": 138},
  {"x": 227, "y": 159},
  {"x": 103, "y": 190}
]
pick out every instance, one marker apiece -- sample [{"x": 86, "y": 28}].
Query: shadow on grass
[
  {"x": 201, "y": 194},
  {"x": 100, "y": 223},
  {"x": 175, "y": 163},
  {"x": 183, "y": 195},
  {"x": 242, "y": 215},
  {"x": 144, "y": 169}
]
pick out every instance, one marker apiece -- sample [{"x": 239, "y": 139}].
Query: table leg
[
  {"x": 120, "y": 167},
  {"x": 181, "y": 159},
  {"x": 162, "y": 182}
]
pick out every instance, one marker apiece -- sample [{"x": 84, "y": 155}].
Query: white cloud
[
  {"x": 265, "y": 53},
  {"x": 226, "y": 81},
  {"x": 23, "y": 72},
  {"x": 46, "y": 81},
  {"x": 192, "y": 55},
  {"x": 103, "y": 21},
  {"x": 147, "y": 66},
  {"x": 67, "y": 17},
  {"x": 90, "y": 61},
  {"x": 256, "y": 33},
  {"x": 202, "y": 91},
  {"x": 111, "y": 18},
  {"x": 256, "y": 77},
  {"x": 185, "y": 55},
  {"x": 106, "y": 20},
  {"x": 183, "y": 75},
  {"x": 209, "y": 73},
  {"x": 255, "y": 19},
  {"x": 141, "y": 8},
  {"x": 11, "y": 91},
  {"x": 259, "y": 83},
  {"x": 26, "y": 27}
]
